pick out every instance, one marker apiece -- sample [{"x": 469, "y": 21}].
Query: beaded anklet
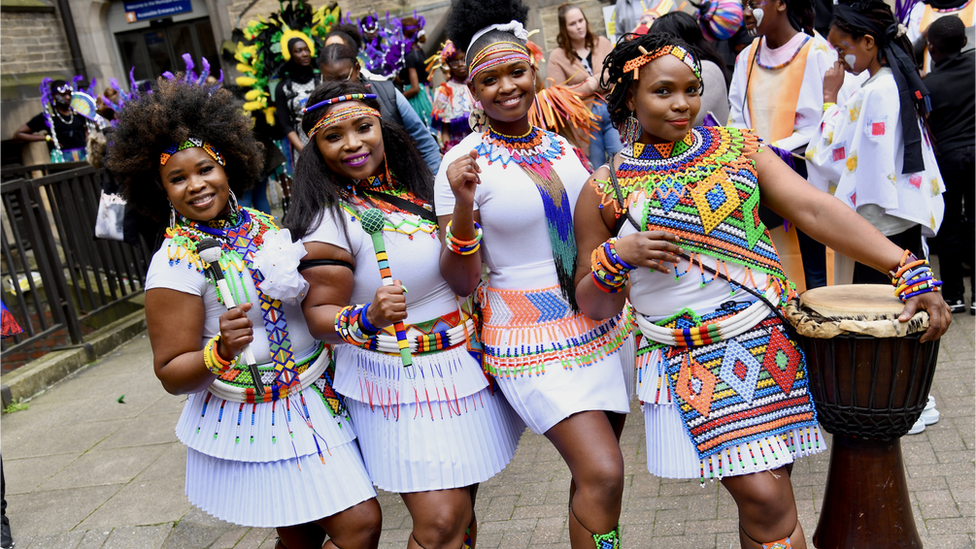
[
  {"x": 352, "y": 326},
  {"x": 608, "y": 270},
  {"x": 212, "y": 359},
  {"x": 464, "y": 247},
  {"x": 913, "y": 277}
]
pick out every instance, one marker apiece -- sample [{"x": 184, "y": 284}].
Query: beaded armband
[
  {"x": 464, "y": 247},
  {"x": 608, "y": 270},
  {"x": 913, "y": 277},
  {"x": 212, "y": 359},
  {"x": 352, "y": 326}
]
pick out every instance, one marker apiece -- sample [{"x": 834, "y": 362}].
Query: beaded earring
[
  {"x": 630, "y": 130},
  {"x": 172, "y": 216},
  {"x": 477, "y": 119}
]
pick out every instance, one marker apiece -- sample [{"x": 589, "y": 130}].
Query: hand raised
[{"x": 463, "y": 176}]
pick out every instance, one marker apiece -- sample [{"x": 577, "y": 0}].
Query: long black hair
[
  {"x": 681, "y": 25},
  {"x": 618, "y": 80},
  {"x": 316, "y": 187}
]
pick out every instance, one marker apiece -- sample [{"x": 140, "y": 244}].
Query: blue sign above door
[{"x": 154, "y": 9}]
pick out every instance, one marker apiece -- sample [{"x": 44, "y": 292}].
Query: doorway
[{"x": 159, "y": 48}]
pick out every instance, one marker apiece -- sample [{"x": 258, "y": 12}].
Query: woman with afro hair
[
  {"x": 269, "y": 444},
  {"x": 505, "y": 197},
  {"x": 724, "y": 388},
  {"x": 430, "y": 430}
]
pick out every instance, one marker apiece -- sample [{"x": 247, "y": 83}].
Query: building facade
[{"x": 112, "y": 36}]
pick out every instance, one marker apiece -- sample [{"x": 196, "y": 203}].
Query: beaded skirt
[{"x": 550, "y": 362}]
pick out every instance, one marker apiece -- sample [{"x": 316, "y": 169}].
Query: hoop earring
[
  {"x": 630, "y": 130},
  {"x": 172, "y": 216},
  {"x": 235, "y": 208},
  {"x": 477, "y": 119}
]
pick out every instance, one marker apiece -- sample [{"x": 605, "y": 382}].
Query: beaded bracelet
[
  {"x": 212, "y": 359},
  {"x": 464, "y": 247},
  {"x": 352, "y": 326},
  {"x": 913, "y": 277},
  {"x": 608, "y": 270}
]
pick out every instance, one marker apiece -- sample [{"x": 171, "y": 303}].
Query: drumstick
[
  {"x": 209, "y": 250},
  {"x": 373, "y": 223}
]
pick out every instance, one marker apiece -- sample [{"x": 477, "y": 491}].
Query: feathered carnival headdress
[
  {"x": 262, "y": 47},
  {"x": 386, "y": 53},
  {"x": 440, "y": 59},
  {"x": 82, "y": 102}
]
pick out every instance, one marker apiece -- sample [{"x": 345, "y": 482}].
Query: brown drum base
[{"x": 866, "y": 504}]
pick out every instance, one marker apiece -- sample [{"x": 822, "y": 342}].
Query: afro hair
[
  {"x": 467, "y": 17},
  {"x": 173, "y": 112}
]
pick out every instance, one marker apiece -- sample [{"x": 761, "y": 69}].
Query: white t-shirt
[{"x": 515, "y": 245}]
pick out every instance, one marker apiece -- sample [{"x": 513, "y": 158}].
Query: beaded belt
[
  {"x": 445, "y": 332},
  {"x": 236, "y": 385},
  {"x": 710, "y": 332}
]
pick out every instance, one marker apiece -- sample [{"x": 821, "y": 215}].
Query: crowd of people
[{"x": 552, "y": 275}]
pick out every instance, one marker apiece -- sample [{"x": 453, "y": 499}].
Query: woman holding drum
[{"x": 724, "y": 387}]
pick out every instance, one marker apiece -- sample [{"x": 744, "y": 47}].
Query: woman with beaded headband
[
  {"x": 222, "y": 293},
  {"x": 515, "y": 185},
  {"x": 677, "y": 219},
  {"x": 430, "y": 430}
]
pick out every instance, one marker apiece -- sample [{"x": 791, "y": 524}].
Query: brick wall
[{"x": 32, "y": 42}]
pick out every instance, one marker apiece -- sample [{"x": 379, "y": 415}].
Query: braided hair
[
  {"x": 801, "y": 14},
  {"x": 618, "y": 80},
  {"x": 316, "y": 187},
  {"x": 467, "y": 17}
]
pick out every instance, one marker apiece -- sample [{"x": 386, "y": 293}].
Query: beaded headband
[
  {"x": 340, "y": 99},
  {"x": 337, "y": 116},
  {"x": 513, "y": 50},
  {"x": 190, "y": 143},
  {"x": 684, "y": 55}
]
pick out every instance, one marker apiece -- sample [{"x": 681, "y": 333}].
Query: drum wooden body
[{"x": 868, "y": 391}]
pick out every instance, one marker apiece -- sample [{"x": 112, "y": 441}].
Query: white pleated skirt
[
  {"x": 672, "y": 454},
  {"x": 436, "y": 445},
  {"x": 278, "y": 493},
  {"x": 544, "y": 400}
]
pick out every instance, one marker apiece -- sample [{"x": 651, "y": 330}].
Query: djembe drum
[{"x": 869, "y": 378}]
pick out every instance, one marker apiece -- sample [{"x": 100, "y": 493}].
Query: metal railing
[{"x": 56, "y": 276}]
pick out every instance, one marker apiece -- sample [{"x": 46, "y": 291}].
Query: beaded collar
[
  {"x": 785, "y": 63},
  {"x": 535, "y": 151},
  {"x": 706, "y": 192},
  {"x": 404, "y": 222}
]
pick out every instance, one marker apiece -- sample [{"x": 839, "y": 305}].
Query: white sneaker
[
  {"x": 930, "y": 415},
  {"x": 919, "y": 427}
]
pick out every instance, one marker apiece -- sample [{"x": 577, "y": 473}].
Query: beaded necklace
[
  {"x": 704, "y": 189},
  {"x": 785, "y": 63},
  {"x": 408, "y": 223},
  {"x": 535, "y": 152}
]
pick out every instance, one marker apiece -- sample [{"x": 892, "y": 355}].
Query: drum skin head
[{"x": 854, "y": 301}]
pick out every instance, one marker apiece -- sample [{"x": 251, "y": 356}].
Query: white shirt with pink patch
[{"x": 857, "y": 156}]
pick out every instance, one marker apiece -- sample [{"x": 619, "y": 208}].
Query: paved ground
[{"x": 86, "y": 468}]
